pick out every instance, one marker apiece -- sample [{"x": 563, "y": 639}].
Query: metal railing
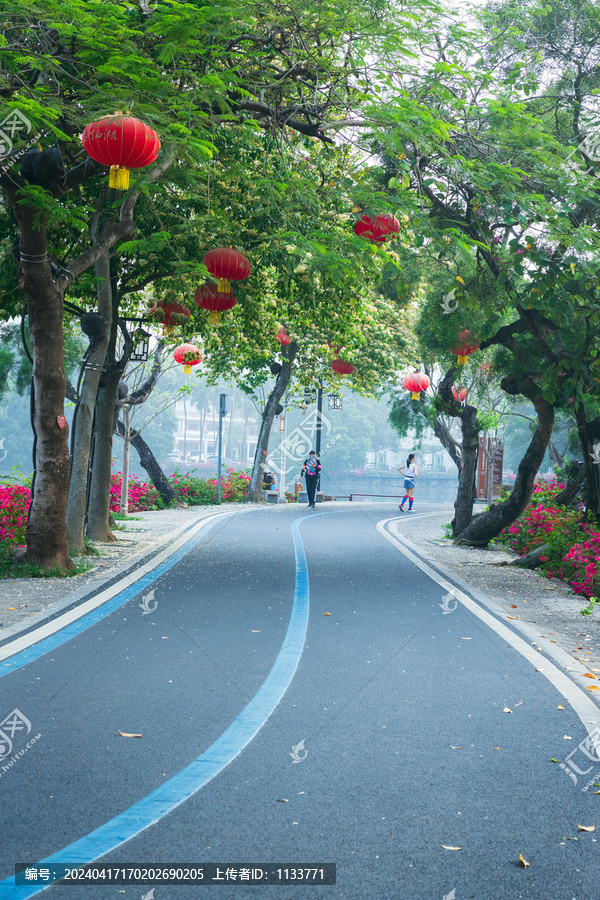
[{"x": 391, "y": 496}]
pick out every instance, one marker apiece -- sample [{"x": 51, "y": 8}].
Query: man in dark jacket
[{"x": 311, "y": 469}]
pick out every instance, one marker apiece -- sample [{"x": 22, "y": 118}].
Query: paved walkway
[
  {"x": 142, "y": 534},
  {"x": 548, "y": 606},
  {"x": 299, "y": 697}
]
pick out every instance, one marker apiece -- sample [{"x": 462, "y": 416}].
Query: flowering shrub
[
  {"x": 580, "y": 566},
  {"x": 573, "y": 552},
  {"x": 141, "y": 496},
  {"x": 200, "y": 491},
  {"x": 14, "y": 505}
]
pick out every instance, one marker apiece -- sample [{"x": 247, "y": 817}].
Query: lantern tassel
[
  {"x": 214, "y": 317},
  {"x": 187, "y": 369},
  {"x": 224, "y": 286},
  {"x": 118, "y": 178},
  {"x": 415, "y": 396}
]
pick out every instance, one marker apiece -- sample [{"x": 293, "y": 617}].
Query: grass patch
[
  {"x": 12, "y": 569},
  {"x": 90, "y": 547},
  {"x": 448, "y": 531},
  {"x": 119, "y": 517}
]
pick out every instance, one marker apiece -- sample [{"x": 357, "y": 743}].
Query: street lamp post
[
  {"x": 319, "y": 418},
  {"x": 222, "y": 414}
]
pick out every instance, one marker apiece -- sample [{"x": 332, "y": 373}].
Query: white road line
[{"x": 584, "y": 707}]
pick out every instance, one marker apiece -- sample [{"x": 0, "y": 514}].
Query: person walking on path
[
  {"x": 410, "y": 473},
  {"x": 311, "y": 469}
]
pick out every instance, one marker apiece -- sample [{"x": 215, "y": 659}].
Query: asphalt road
[{"x": 399, "y": 704}]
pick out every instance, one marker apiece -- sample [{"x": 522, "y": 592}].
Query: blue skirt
[{"x": 408, "y": 484}]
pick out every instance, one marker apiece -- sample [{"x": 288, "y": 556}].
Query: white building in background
[
  {"x": 432, "y": 457},
  {"x": 196, "y": 438}
]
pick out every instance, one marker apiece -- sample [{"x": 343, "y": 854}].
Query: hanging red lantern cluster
[
  {"x": 284, "y": 338},
  {"x": 208, "y": 297},
  {"x": 465, "y": 345},
  {"x": 342, "y": 367},
  {"x": 170, "y": 314},
  {"x": 227, "y": 265},
  {"x": 378, "y": 231},
  {"x": 123, "y": 143},
  {"x": 459, "y": 394},
  {"x": 415, "y": 382},
  {"x": 188, "y": 355}
]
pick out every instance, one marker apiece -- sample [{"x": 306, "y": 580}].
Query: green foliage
[
  {"x": 201, "y": 492},
  {"x": 588, "y": 610}
]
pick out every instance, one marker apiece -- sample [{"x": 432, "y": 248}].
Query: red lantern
[
  {"x": 207, "y": 297},
  {"x": 466, "y": 344},
  {"x": 188, "y": 355},
  {"x": 342, "y": 367},
  {"x": 227, "y": 265},
  {"x": 460, "y": 394},
  {"x": 379, "y": 230},
  {"x": 284, "y": 337},
  {"x": 122, "y": 143},
  {"x": 385, "y": 226},
  {"x": 364, "y": 228},
  {"x": 171, "y": 314},
  {"x": 415, "y": 382}
]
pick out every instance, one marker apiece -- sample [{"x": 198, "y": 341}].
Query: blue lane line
[
  {"x": 176, "y": 790},
  {"x": 96, "y": 615}
]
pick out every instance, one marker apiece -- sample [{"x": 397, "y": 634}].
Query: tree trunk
[
  {"x": 46, "y": 527},
  {"x": 98, "y": 527},
  {"x": 288, "y": 354},
  {"x": 84, "y": 419},
  {"x": 447, "y": 441},
  {"x": 149, "y": 463},
  {"x": 125, "y": 467},
  {"x": 555, "y": 457},
  {"x": 592, "y": 475},
  {"x": 573, "y": 486},
  {"x": 465, "y": 495},
  {"x": 531, "y": 560},
  {"x": 487, "y": 525}
]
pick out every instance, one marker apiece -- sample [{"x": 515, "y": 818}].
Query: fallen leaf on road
[
  {"x": 586, "y": 827},
  {"x": 589, "y": 675},
  {"x": 522, "y": 861},
  {"x": 454, "y": 748},
  {"x": 255, "y": 631},
  {"x": 554, "y": 760},
  {"x": 511, "y": 592},
  {"x": 282, "y": 800},
  {"x": 446, "y": 847},
  {"x": 560, "y": 707},
  {"x": 326, "y": 614},
  {"x": 465, "y": 639},
  {"x": 514, "y": 606},
  {"x": 597, "y": 792},
  {"x": 567, "y": 738},
  {"x": 506, "y": 709},
  {"x": 518, "y": 704},
  {"x": 593, "y": 687},
  {"x": 539, "y": 670},
  {"x": 126, "y": 734},
  {"x": 512, "y": 617},
  {"x": 164, "y": 638}
]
